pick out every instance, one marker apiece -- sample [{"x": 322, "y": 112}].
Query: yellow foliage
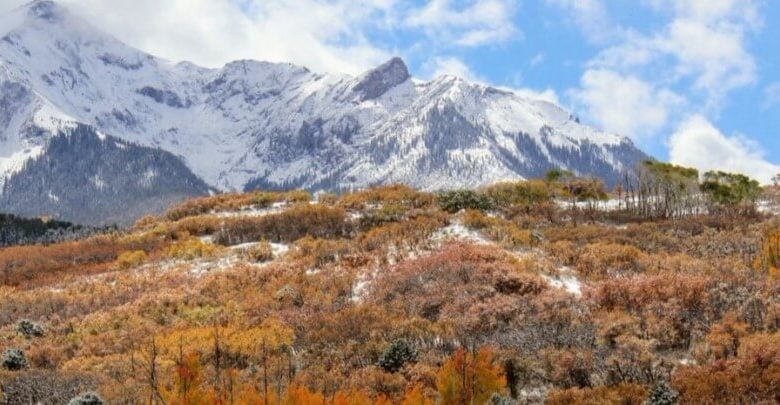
[
  {"x": 353, "y": 397},
  {"x": 192, "y": 248},
  {"x": 248, "y": 341},
  {"x": 503, "y": 232},
  {"x": 391, "y": 194},
  {"x": 624, "y": 393},
  {"x": 300, "y": 395},
  {"x": 415, "y": 396},
  {"x": 468, "y": 378},
  {"x": 272, "y": 334},
  {"x": 296, "y": 196},
  {"x": 261, "y": 252},
  {"x": 131, "y": 259},
  {"x": 768, "y": 258},
  {"x": 524, "y": 193}
]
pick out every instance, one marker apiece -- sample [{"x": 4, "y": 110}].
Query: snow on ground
[
  {"x": 607, "y": 205},
  {"x": 565, "y": 280},
  {"x": 202, "y": 267},
  {"x": 275, "y": 208},
  {"x": 279, "y": 249},
  {"x": 457, "y": 231},
  {"x": 768, "y": 207},
  {"x": 360, "y": 289},
  {"x": 15, "y": 161}
]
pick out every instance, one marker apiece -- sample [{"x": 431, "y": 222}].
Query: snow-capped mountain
[{"x": 256, "y": 124}]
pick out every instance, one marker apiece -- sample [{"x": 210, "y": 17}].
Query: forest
[{"x": 662, "y": 290}]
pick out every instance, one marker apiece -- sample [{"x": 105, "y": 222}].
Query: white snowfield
[{"x": 277, "y": 122}]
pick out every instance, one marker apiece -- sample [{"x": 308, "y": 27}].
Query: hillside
[
  {"x": 23, "y": 231},
  {"x": 523, "y": 292},
  {"x": 91, "y": 178},
  {"x": 260, "y": 125}
]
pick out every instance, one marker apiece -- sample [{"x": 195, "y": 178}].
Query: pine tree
[
  {"x": 14, "y": 359},
  {"x": 396, "y": 355},
  {"x": 662, "y": 394},
  {"x": 29, "y": 329}
]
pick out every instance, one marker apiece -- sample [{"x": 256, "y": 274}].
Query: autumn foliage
[{"x": 519, "y": 292}]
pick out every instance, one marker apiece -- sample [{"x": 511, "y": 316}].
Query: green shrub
[
  {"x": 454, "y": 201},
  {"x": 396, "y": 355},
  {"x": 14, "y": 359},
  {"x": 29, "y": 329},
  {"x": 522, "y": 193}
]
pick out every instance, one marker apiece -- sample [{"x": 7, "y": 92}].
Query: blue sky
[
  {"x": 696, "y": 82},
  {"x": 733, "y": 89}
]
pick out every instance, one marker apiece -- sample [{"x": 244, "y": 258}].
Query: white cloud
[
  {"x": 624, "y": 104},
  {"x": 590, "y": 15},
  {"x": 637, "y": 85},
  {"x": 548, "y": 95},
  {"x": 325, "y": 36},
  {"x": 703, "y": 46},
  {"x": 482, "y": 22},
  {"x": 697, "y": 143},
  {"x": 713, "y": 11},
  {"x": 440, "y": 66},
  {"x": 715, "y": 56}
]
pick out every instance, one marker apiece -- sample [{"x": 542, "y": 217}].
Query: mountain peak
[
  {"x": 45, "y": 10},
  {"x": 384, "y": 77}
]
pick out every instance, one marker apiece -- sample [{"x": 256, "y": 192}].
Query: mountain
[
  {"x": 267, "y": 125},
  {"x": 89, "y": 177}
]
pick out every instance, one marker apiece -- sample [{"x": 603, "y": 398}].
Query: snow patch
[
  {"x": 457, "y": 231},
  {"x": 98, "y": 182},
  {"x": 566, "y": 280}
]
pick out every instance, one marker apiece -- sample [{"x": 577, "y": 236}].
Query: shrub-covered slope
[{"x": 514, "y": 293}]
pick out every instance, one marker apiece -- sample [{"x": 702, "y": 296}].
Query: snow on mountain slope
[{"x": 256, "y": 124}]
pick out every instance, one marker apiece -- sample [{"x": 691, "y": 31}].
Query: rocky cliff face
[{"x": 266, "y": 125}]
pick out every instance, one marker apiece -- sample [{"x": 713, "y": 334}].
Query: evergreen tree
[
  {"x": 14, "y": 359},
  {"x": 662, "y": 394},
  {"x": 29, "y": 329},
  {"x": 396, "y": 355}
]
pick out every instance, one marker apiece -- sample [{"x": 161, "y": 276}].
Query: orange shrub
[
  {"x": 390, "y": 194},
  {"x": 35, "y": 264},
  {"x": 477, "y": 288},
  {"x": 753, "y": 376},
  {"x": 130, "y": 259},
  {"x": 600, "y": 260},
  {"x": 191, "y": 248},
  {"x": 768, "y": 258},
  {"x": 526, "y": 194},
  {"x": 196, "y": 225},
  {"x": 287, "y": 226},
  {"x": 503, "y": 232},
  {"x": 624, "y": 394},
  {"x": 318, "y": 252},
  {"x": 469, "y": 378},
  {"x": 231, "y": 202}
]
